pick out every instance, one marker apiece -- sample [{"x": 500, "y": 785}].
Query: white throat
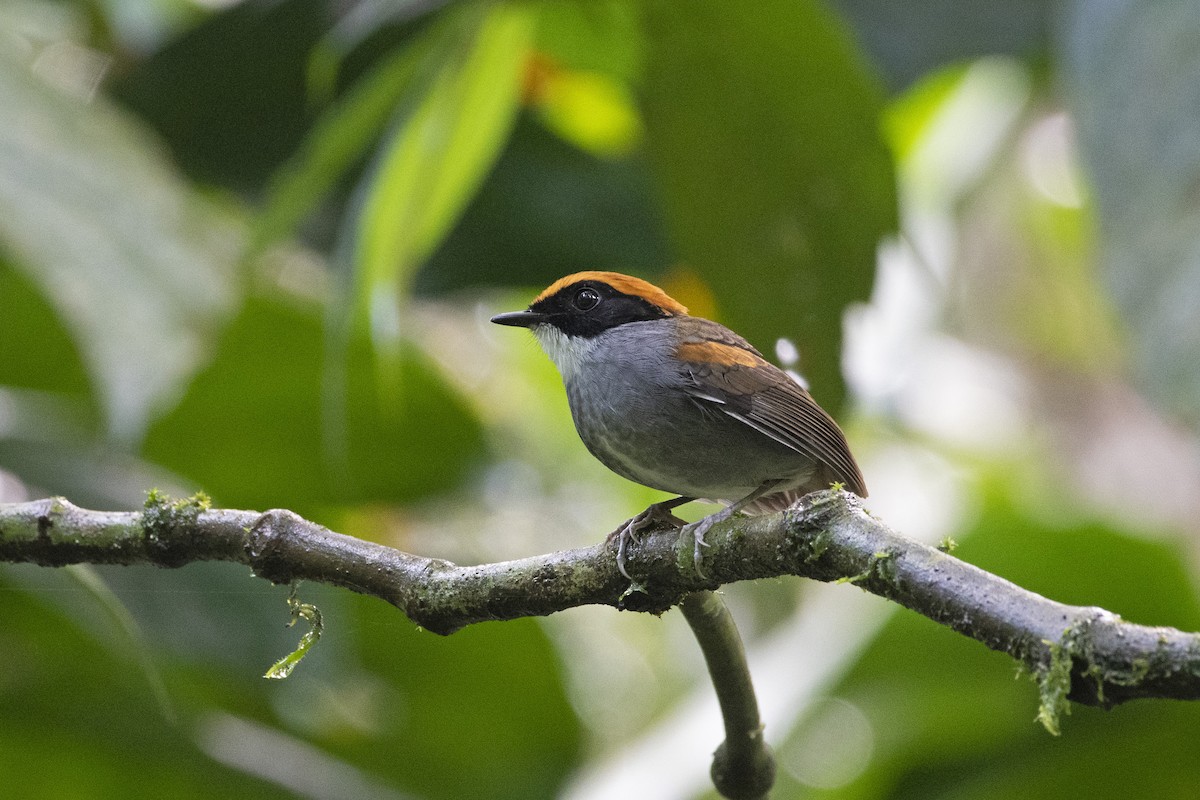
[{"x": 568, "y": 353}]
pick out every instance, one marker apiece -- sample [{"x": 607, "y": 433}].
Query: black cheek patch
[{"x": 614, "y": 309}]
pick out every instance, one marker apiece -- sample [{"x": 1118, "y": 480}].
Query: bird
[{"x": 682, "y": 404}]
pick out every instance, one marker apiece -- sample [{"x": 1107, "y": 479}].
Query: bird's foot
[
  {"x": 698, "y": 530},
  {"x": 657, "y": 515}
]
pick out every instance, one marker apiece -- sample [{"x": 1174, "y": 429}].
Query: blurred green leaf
[
  {"x": 230, "y": 96},
  {"x": 596, "y": 35},
  {"x": 363, "y": 36},
  {"x": 51, "y": 423},
  {"x": 447, "y": 137},
  {"x": 255, "y": 430},
  {"x": 1134, "y": 74},
  {"x": 129, "y": 636},
  {"x": 139, "y": 268},
  {"x": 33, "y": 337},
  {"x": 549, "y": 209},
  {"x": 340, "y": 138},
  {"x": 763, "y": 125},
  {"x": 75, "y": 721},
  {"x": 480, "y": 714},
  {"x": 1143, "y": 751}
]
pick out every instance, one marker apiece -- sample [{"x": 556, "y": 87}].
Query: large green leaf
[
  {"x": 1134, "y": 74},
  {"x": 601, "y": 35},
  {"x": 32, "y": 336},
  {"x": 257, "y": 427},
  {"x": 480, "y": 714},
  {"x": 447, "y": 135},
  {"x": 138, "y": 266},
  {"x": 380, "y": 708},
  {"x": 230, "y": 95},
  {"x": 77, "y": 719},
  {"x": 49, "y": 438},
  {"x": 763, "y": 126}
]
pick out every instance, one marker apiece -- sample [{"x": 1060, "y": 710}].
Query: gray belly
[{"x": 679, "y": 445}]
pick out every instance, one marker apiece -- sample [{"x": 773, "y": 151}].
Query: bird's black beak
[{"x": 519, "y": 319}]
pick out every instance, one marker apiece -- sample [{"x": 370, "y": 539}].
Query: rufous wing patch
[
  {"x": 725, "y": 355},
  {"x": 625, "y": 284}
]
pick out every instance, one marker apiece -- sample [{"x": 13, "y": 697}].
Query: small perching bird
[{"x": 682, "y": 404}]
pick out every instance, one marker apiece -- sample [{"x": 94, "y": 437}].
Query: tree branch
[
  {"x": 743, "y": 767},
  {"x": 1084, "y": 654}
]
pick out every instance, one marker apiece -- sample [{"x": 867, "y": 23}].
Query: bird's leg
[
  {"x": 655, "y": 515},
  {"x": 700, "y": 528}
]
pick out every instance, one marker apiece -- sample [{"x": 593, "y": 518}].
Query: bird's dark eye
[{"x": 587, "y": 299}]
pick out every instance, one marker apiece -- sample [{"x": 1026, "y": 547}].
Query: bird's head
[{"x": 587, "y": 304}]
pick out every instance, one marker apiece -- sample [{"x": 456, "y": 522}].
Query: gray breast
[{"x": 630, "y": 411}]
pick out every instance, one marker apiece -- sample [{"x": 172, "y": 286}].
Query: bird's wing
[{"x": 723, "y": 370}]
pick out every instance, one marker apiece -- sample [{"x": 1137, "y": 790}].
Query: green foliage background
[{"x": 252, "y": 249}]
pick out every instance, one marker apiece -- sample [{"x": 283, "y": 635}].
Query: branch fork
[{"x": 1077, "y": 653}]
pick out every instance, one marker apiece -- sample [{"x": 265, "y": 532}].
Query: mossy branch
[{"x": 827, "y": 537}]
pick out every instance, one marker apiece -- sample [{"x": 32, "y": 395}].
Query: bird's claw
[
  {"x": 698, "y": 530},
  {"x": 656, "y": 515}
]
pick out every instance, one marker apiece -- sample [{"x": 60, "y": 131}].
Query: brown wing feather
[{"x": 731, "y": 375}]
